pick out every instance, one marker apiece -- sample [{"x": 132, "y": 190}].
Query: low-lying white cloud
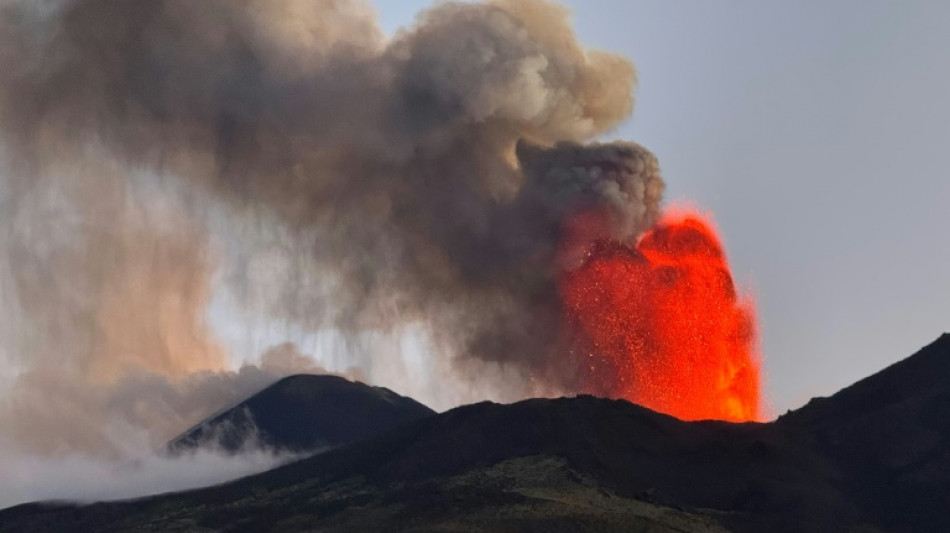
[{"x": 80, "y": 478}]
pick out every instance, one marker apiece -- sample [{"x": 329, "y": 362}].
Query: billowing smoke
[{"x": 153, "y": 148}]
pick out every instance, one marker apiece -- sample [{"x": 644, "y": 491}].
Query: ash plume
[{"x": 420, "y": 180}]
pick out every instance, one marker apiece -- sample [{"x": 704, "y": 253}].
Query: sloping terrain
[
  {"x": 889, "y": 437},
  {"x": 873, "y": 457},
  {"x": 303, "y": 413}
]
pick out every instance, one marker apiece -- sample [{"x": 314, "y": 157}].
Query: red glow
[{"x": 660, "y": 323}]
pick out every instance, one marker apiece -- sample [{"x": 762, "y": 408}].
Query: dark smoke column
[{"x": 429, "y": 175}]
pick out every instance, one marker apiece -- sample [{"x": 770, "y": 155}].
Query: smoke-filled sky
[
  {"x": 817, "y": 134},
  {"x": 197, "y": 198}
]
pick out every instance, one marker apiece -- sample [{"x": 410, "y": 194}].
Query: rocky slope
[
  {"x": 873, "y": 457},
  {"x": 303, "y": 413}
]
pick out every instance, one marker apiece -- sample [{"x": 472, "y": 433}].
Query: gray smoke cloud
[{"x": 318, "y": 172}]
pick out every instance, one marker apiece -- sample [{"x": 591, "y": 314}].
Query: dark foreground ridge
[
  {"x": 303, "y": 413},
  {"x": 873, "y": 457}
]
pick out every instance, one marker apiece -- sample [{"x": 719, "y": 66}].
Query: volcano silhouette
[
  {"x": 303, "y": 413},
  {"x": 873, "y": 457}
]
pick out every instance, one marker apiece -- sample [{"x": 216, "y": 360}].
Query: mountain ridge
[
  {"x": 868, "y": 458},
  {"x": 302, "y": 413}
]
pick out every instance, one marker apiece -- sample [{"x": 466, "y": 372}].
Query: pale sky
[{"x": 817, "y": 133}]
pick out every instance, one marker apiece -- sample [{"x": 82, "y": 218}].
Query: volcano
[
  {"x": 873, "y": 457},
  {"x": 302, "y": 413}
]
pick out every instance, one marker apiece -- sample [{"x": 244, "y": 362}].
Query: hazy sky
[{"x": 817, "y": 133}]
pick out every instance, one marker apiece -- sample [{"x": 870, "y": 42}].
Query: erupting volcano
[
  {"x": 292, "y": 174},
  {"x": 660, "y": 323}
]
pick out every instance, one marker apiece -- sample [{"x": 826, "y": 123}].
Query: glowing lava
[{"x": 661, "y": 324}]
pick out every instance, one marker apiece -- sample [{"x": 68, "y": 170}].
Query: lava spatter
[{"x": 660, "y": 323}]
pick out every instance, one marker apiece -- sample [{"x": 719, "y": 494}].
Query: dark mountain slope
[
  {"x": 301, "y": 413},
  {"x": 445, "y": 469},
  {"x": 889, "y": 435},
  {"x": 587, "y": 464}
]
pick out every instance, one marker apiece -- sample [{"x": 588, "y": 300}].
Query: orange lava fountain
[{"x": 660, "y": 323}]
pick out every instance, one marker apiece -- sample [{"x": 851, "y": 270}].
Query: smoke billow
[{"x": 419, "y": 181}]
